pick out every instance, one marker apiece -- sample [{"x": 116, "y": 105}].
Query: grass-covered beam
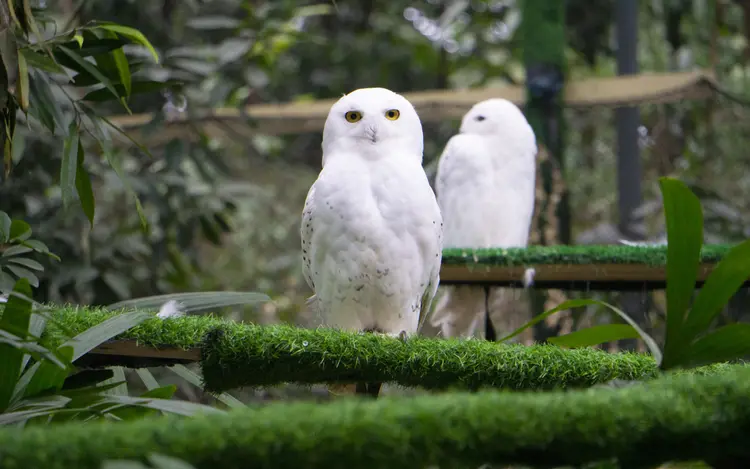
[
  {"x": 677, "y": 418},
  {"x": 611, "y": 267},
  {"x": 234, "y": 354}
]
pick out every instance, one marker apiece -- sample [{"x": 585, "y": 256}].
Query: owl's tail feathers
[{"x": 460, "y": 312}]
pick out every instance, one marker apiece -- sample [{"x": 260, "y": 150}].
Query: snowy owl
[
  {"x": 485, "y": 186},
  {"x": 371, "y": 227}
]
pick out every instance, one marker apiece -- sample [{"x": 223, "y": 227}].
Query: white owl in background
[
  {"x": 485, "y": 186},
  {"x": 371, "y": 227}
]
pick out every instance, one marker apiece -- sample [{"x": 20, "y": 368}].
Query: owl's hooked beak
[{"x": 371, "y": 132}]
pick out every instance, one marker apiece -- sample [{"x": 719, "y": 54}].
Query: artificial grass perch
[
  {"x": 674, "y": 418},
  {"x": 235, "y": 354},
  {"x": 578, "y": 255}
]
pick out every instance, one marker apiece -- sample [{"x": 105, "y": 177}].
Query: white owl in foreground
[
  {"x": 485, "y": 186},
  {"x": 371, "y": 227}
]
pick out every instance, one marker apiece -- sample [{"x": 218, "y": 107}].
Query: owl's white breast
[
  {"x": 375, "y": 238},
  {"x": 486, "y": 194}
]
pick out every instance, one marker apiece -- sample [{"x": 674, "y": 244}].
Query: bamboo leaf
[
  {"x": 23, "y": 83},
  {"x": 91, "y": 69},
  {"x": 132, "y": 34},
  {"x": 69, "y": 164},
  {"x": 83, "y": 186}
]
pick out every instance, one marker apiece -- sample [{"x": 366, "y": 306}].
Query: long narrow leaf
[
  {"x": 595, "y": 335},
  {"x": 91, "y": 68},
  {"x": 148, "y": 379},
  {"x": 188, "y": 375},
  {"x": 17, "y": 314},
  {"x": 69, "y": 164},
  {"x": 83, "y": 186},
  {"x": 132, "y": 34},
  {"x": 724, "y": 344},
  {"x": 194, "y": 301},
  {"x": 49, "y": 376},
  {"x": 95, "y": 336},
  {"x": 684, "y": 220},
  {"x": 726, "y": 278}
]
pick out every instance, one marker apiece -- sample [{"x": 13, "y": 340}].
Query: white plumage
[
  {"x": 485, "y": 188},
  {"x": 371, "y": 227}
]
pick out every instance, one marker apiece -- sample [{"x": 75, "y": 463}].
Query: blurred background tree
[{"x": 224, "y": 214}]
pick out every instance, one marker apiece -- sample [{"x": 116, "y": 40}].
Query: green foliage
[
  {"x": 689, "y": 340},
  {"x": 15, "y": 244},
  {"x": 641, "y": 426},
  {"x": 39, "y": 383}
]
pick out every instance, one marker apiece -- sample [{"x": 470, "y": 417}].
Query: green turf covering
[
  {"x": 235, "y": 354},
  {"x": 610, "y": 254},
  {"x": 685, "y": 417}
]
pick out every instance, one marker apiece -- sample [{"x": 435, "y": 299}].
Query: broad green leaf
[
  {"x": 49, "y": 376},
  {"x": 39, "y": 247},
  {"x": 188, "y": 375},
  {"x": 595, "y": 335},
  {"x": 97, "y": 335},
  {"x": 161, "y": 392},
  {"x": 19, "y": 230},
  {"x": 725, "y": 279},
  {"x": 83, "y": 186},
  {"x": 91, "y": 68},
  {"x": 28, "y": 263},
  {"x": 17, "y": 314},
  {"x": 5, "y": 223},
  {"x": 6, "y": 281},
  {"x": 193, "y": 302},
  {"x": 22, "y": 272},
  {"x": 16, "y": 250},
  {"x": 724, "y": 344},
  {"x": 23, "y": 82},
  {"x": 148, "y": 379},
  {"x": 684, "y": 220},
  {"x": 69, "y": 164},
  {"x": 132, "y": 34}
]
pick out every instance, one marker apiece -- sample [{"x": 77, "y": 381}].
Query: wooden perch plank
[
  {"x": 432, "y": 106},
  {"x": 616, "y": 277}
]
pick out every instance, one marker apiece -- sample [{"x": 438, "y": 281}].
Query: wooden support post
[{"x": 543, "y": 41}]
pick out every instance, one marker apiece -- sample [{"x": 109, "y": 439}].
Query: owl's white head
[
  {"x": 498, "y": 117},
  {"x": 373, "y": 122}
]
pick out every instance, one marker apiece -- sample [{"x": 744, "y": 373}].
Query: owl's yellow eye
[
  {"x": 392, "y": 114},
  {"x": 353, "y": 116}
]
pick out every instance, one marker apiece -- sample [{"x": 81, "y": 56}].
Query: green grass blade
[{"x": 684, "y": 221}]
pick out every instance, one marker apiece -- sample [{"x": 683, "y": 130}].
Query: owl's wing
[
  {"x": 434, "y": 261},
  {"x": 306, "y": 233}
]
